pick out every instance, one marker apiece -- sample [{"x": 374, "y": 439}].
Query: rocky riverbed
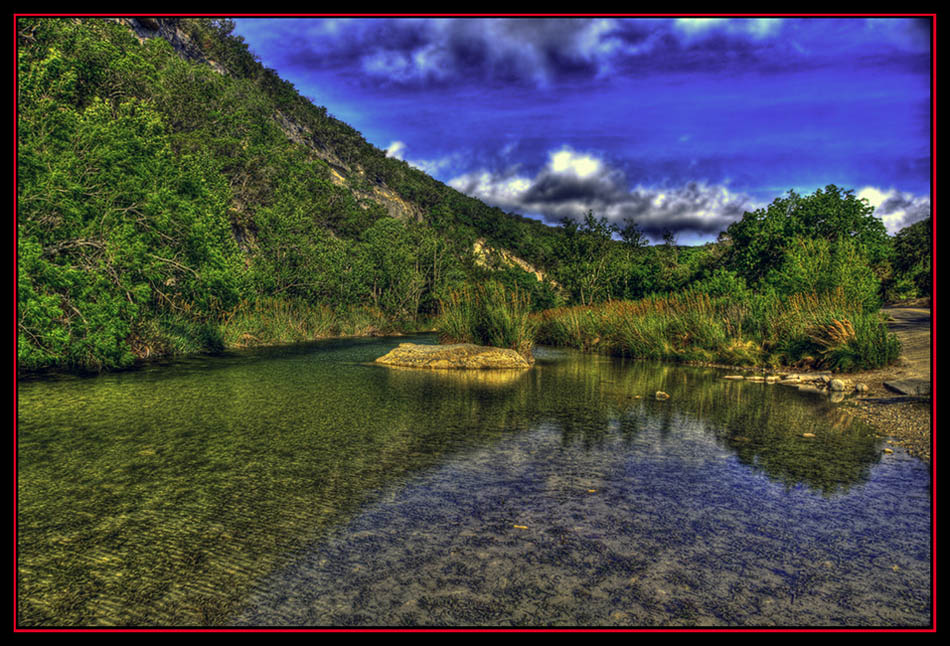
[{"x": 895, "y": 400}]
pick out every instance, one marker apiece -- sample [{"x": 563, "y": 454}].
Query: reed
[
  {"x": 488, "y": 314},
  {"x": 268, "y": 321},
  {"x": 821, "y": 330}
]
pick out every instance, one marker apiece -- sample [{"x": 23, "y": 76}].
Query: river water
[{"x": 304, "y": 486}]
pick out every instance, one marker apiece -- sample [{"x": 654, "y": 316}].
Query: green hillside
[{"x": 167, "y": 182}]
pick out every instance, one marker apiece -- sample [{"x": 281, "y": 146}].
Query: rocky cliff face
[
  {"x": 169, "y": 29},
  {"x": 488, "y": 256}
]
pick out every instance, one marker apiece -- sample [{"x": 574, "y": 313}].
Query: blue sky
[{"x": 679, "y": 124}]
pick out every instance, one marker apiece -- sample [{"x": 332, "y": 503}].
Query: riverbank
[
  {"x": 896, "y": 400},
  {"x": 899, "y": 400}
]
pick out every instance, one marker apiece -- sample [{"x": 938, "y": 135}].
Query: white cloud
[
  {"x": 896, "y": 208},
  {"x": 566, "y": 161},
  {"x": 758, "y": 28},
  {"x": 499, "y": 189},
  {"x": 572, "y": 183},
  {"x": 396, "y": 149}
]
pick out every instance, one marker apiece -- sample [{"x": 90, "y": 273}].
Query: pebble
[{"x": 907, "y": 423}]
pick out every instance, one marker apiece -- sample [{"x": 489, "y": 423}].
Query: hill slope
[{"x": 174, "y": 195}]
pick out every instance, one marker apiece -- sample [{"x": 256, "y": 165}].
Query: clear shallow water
[{"x": 302, "y": 486}]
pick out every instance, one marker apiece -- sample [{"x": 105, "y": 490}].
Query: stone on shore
[{"x": 458, "y": 356}]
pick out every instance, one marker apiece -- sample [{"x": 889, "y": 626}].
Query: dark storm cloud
[
  {"x": 434, "y": 51},
  {"x": 573, "y": 184},
  {"x": 544, "y": 51},
  {"x": 558, "y": 188},
  {"x": 908, "y": 208}
]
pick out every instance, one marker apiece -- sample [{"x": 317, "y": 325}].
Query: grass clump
[
  {"x": 268, "y": 321},
  {"x": 825, "y": 330},
  {"x": 488, "y": 314}
]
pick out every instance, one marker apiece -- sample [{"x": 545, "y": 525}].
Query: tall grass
[
  {"x": 268, "y": 321},
  {"x": 807, "y": 330},
  {"x": 488, "y": 314}
]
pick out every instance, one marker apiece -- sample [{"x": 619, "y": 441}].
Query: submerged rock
[{"x": 464, "y": 356}]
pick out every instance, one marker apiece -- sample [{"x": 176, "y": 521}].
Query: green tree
[
  {"x": 112, "y": 225},
  {"x": 913, "y": 248},
  {"x": 585, "y": 254},
  {"x": 761, "y": 238},
  {"x": 815, "y": 266}
]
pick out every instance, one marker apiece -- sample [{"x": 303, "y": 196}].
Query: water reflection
[{"x": 164, "y": 496}]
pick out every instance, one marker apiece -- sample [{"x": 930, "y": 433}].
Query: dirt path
[
  {"x": 898, "y": 402},
  {"x": 912, "y": 326}
]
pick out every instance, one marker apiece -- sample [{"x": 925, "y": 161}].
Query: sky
[{"x": 679, "y": 124}]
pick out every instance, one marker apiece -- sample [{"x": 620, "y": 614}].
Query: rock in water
[{"x": 458, "y": 356}]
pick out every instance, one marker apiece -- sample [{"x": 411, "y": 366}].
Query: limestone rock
[{"x": 464, "y": 356}]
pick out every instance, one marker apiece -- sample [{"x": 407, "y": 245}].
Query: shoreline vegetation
[{"x": 802, "y": 331}]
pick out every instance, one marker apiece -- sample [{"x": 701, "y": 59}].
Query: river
[{"x": 304, "y": 486}]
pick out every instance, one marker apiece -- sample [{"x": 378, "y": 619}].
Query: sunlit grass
[
  {"x": 817, "y": 330},
  {"x": 267, "y": 321},
  {"x": 488, "y": 314}
]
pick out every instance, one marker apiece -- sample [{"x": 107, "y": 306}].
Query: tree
[
  {"x": 761, "y": 238},
  {"x": 585, "y": 254},
  {"x": 913, "y": 248}
]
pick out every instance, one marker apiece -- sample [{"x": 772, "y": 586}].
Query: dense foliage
[{"x": 168, "y": 204}]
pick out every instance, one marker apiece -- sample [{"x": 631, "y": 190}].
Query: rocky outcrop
[
  {"x": 487, "y": 256},
  {"x": 464, "y": 356},
  {"x": 170, "y": 30}
]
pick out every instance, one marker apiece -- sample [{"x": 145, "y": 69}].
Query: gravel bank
[{"x": 906, "y": 420}]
